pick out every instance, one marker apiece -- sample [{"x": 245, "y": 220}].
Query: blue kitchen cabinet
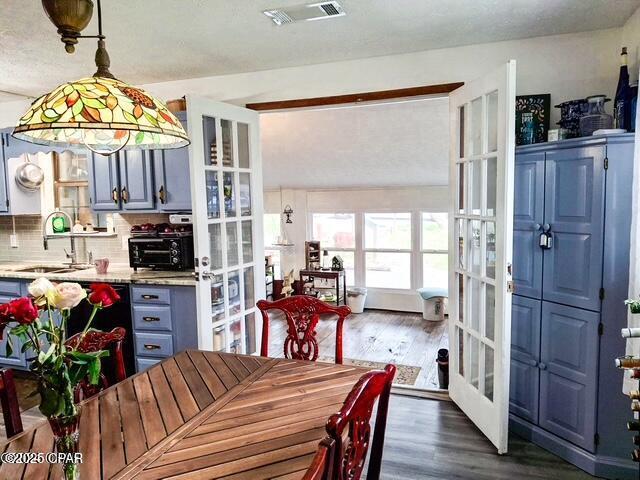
[
  {"x": 568, "y": 307},
  {"x": 136, "y": 180},
  {"x": 104, "y": 182},
  {"x": 574, "y": 215},
  {"x": 172, "y": 181}
]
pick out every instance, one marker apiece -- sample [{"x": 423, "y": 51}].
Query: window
[
  {"x": 435, "y": 258},
  {"x": 71, "y": 184},
  {"x": 387, "y": 240},
  {"x": 271, "y": 234},
  {"x": 337, "y": 234}
]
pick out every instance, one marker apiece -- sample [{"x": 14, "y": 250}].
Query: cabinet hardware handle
[
  {"x": 151, "y": 319},
  {"x": 150, "y": 297},
  {"x": 532, "y": 362},
  {"x": 114, "y": 195},
  {"x": 536, "y": 226},
  {"x": 546, "y": 227},
  {"x": 542, "y": 366},
  {"x": 162, "y": 195},
  {"x": 125, "y": 195},
  {"x": 151, "y": 346}
]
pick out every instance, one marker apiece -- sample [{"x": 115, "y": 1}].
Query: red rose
[
  {"x": 5, "y": 313},
  {"x": 23, "y": 310},
  {"x": 103, "y": 295}
]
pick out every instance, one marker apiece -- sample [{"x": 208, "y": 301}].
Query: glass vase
[{"x": 66, "y": 435}]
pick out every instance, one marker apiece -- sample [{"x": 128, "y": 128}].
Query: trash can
[
  {"x": 443, "y": 368},
  {"x": 434, "y": 303},
  {"x": 355, "y": 299}
]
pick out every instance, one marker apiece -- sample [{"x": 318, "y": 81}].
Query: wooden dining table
[{"x": 201, "y": 415}]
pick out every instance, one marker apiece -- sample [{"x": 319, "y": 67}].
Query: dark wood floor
[
  {"x": 429, "y": 439},
  {"x": 379, "y": 336}
]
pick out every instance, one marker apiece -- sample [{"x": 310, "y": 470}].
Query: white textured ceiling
[
  {"x": 355, "y": 146},
  {"x": 158, "y": 40}
]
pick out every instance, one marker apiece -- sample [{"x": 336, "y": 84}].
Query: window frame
[{"x": 431, "y": 251}]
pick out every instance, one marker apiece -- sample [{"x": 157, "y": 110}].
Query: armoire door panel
[
  {"x": 568, "y": 372},
  {"x": 525, "y": 353},
  {"x": 574, "y": 203},
  {"x": 529, "y": 178}
]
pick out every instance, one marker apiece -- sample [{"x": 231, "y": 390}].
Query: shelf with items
[
  {"x": 312, "y": 255},
  {"x": 316, "y": 282}
]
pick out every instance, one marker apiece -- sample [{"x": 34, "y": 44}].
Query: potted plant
[
  {"x": 634, "y": 305},
  {"x": 39, "y": 322}
]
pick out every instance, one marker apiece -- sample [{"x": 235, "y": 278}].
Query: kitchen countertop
[{"x": 117, "y": 273}]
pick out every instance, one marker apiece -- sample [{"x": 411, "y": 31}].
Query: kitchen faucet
[{"x": 73, "y": 254}]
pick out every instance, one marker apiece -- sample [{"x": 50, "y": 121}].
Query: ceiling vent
[{"x": 305, "y": 13}]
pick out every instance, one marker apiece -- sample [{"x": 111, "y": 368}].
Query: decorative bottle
[{"x": 622, "y": 105}]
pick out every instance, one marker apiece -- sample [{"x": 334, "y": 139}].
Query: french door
[
  {"x": 482, "y": 115},
  {"x": 226, "y": 186}
]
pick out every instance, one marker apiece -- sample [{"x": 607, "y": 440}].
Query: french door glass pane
[
  {"x": 476, "y": 126},
  {"x": 474, "y": 360},
  {"x": 490, "y": 311},
  {"x": 236, "y": 337},
  {"x": 233, "y": 292},
  {"x": 227, "y": 143},
  {"x": 210, "y": 141},
  {"x": 460, "y": 226},
  {"x": 476, "y": 187},
  {"x": 492, "y": 179},
  {"x": 217, "y": 298},
  {"x": 492, "y": 121},
  {"x": 215, "y": 242},
  {"x": 72, "y": 167},
  {"x": 488, "y": 372},
  {"x": 474, "y": 247},
  {"x": 249, "y": 295},
  {"x": 387, "y": 230},
  {"x": 219, "y": 338},
  {"x": 334, "y": 230},
  {"x": 475, "y": 295},
  {"x": 388, "y": 270},
  {"x": 232, "y": 244},
  {"x": 461, "y": 288},
  {"x": 243, "y": 145},
  {"x": 460, "y": 340},
  {"x": 213, "y": 200},
  {"x": 435, "y": 231},
  {"x": 462, "y": 131},
  {"x": 435, "y": 269},
  {"x": 245, "y": 194},
  {"x": 490, "y": 246},
  {"x": 229, "y": 194},
  {"x": 250, "y": 332},
  {"x": 348, "y": 260},
  {"x": 461, "y": 187},
  {"x": 247, "y": 241}
]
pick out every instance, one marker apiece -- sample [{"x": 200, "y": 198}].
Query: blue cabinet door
[
  {"x": 528, "y": 218},
  {"x": 136, "y": 180},
  {"x": 173, "y": 185},
  {"x": 104, "y": 187},
  {"x": 569, "y": 373},
  {"x": 525, "y": 354},
  {"x": 17, "y": 358},
  {"x": 4, "y": 198},
  {"x": 574, "y": 213}
]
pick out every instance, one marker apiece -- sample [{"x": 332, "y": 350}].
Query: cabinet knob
[
  {"x": 532, "y": 362},
  {"x": 546, "y": 227},
  {"x": 542, "y": 366},
  {"x": 536, "y": 227},
  {"x": 162, "y": 195}
]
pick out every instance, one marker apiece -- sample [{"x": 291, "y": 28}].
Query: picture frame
[{"x": 532, "y": 118}]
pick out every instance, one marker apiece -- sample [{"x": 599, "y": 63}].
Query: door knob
[{"x": 206, "y": 275}]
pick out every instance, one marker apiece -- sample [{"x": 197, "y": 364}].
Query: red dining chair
[
  {"x": 322, "y": 463},
  {"x": 302, "y": 313},
  {"x": 350, "y": 428},
  {"x": 9, "y": 402},
  {"x": 93, "y": 341}
]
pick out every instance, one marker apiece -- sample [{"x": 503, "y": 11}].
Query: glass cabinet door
[{"x": 226, "y": 172}]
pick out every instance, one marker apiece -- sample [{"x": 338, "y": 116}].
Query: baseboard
[
  {"x": 606, "y": 467},
  {"x": 410, "y": 391}
]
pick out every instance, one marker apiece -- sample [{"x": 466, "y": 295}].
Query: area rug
[{"x": 405, "y": 375}]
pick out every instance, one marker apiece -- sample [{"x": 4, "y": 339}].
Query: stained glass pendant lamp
[{"x": 101, "y": 112}]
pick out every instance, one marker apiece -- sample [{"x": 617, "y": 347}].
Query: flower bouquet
[{"x": 38, "y": 323}]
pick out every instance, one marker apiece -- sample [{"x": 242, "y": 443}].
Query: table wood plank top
[{"x": 201, "y": 415}]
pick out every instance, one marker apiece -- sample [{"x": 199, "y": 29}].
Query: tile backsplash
[{"x": 30, "y": 248}]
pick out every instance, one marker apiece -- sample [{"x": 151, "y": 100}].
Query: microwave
[{"x": 174, "y": 253}]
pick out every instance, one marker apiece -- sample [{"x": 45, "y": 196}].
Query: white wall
[
  {"x": 631, "y": 40},
  {"x": 375, "y": 145}
]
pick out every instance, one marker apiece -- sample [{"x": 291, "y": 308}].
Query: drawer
[
  {"x": 10, "y": 287},
  {"x": 151, "y": 295},
  {"x": 158, "y": 345},
  {"x": 152, "y": 317},
  {"x": 144, "y": 363}
]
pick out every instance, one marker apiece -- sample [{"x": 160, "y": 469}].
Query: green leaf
[
  {"x": 94, "y": 371},
  {"x": 51, "y": 402},
  {"x": 9, "y": 347}
]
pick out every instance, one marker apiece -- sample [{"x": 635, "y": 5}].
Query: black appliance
[
  {"x": 161, "y": 253},
  {"x": 117, "y": 315}
]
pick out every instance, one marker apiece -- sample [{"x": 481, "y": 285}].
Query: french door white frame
[{"x": 197, "y": 109}]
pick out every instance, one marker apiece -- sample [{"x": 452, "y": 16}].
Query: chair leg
[{"x": 10, "y": 406}]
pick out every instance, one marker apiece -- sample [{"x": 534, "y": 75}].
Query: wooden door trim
[{"x": 442, "y": 88}]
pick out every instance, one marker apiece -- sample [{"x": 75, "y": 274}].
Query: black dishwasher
[{"x": 117, "y": 315}]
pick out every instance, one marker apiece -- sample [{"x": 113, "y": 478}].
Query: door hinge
[
  {"x": 606, "y": 163},
  {"x": 602, "y": 294},
  {"x": 7, "y": 202},
  {"x": 596, "y": 439},
  {"x": 601, "y": 329}
]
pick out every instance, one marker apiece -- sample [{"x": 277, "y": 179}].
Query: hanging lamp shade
[{"x": 102, "y": 113}]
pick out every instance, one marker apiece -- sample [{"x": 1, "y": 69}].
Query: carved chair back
[
  {"x": 9, "y": 402},
  {"x": 351, "y": 431},
  {"x": 322, "y": 463},
  {"x": 302, "y": 313}
]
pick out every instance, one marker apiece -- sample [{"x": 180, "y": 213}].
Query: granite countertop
[{"x": 117, "y": 273}]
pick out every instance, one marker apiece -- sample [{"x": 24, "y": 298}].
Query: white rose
[
  {"x": 41, "y": 289},
  {"x": 69, "y": 295}
]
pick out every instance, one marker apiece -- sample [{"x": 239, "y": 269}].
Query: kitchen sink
[{"x": 49, "y": 269}]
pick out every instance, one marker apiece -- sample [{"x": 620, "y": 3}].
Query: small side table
[{"x": 337, "y": 275}]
